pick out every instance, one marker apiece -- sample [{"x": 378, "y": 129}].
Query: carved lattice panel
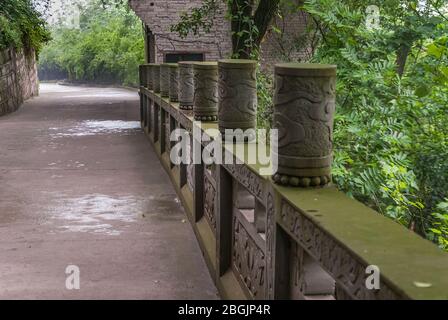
[
  {"x": 248, "y": 261},
  {"x": 345, "y": 268},
  {"x": 297, "y": 279}
]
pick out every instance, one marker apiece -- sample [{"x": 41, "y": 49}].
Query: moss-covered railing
[{"x": 293, "y": 236}]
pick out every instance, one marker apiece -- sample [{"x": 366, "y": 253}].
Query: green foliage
[
  {"x": 390, "y": 135},
  {"x": 21, "y": 26},
  {"x": 249, "y": 21},
  {"x": 199, "y": 19},
  {"x": 108, "y": 46},
  {"x": 265, "y": 103}
]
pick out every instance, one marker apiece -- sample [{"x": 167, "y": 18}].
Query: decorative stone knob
[
  {"x": 165, "y": 80},
  {"x": 174, "y": 82},
  {"x": 186, "y": 85},
  {"x": 205, "y": 105},
  {"x": 237, "y": 94},
  {"x": 156, "y": 78},
  {"x": 304, "y": 105}
]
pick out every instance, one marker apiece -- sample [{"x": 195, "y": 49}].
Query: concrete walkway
[{"x": 80, "y": 185}]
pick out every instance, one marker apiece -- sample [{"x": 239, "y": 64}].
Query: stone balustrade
[{"x": 289, "y": 234}]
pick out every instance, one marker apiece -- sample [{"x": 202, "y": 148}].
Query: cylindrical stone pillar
[
  {"x": 186, "y": 85},
  {"x": 304, "y": 106},
  {"x": 237, "y": 94},
  {"x": 174, "y": 82},
  {"x": 149, "y": 76},
  {"x": 142, "y": 74},
  {"x": 165, "y": 80},
  {"x": 205, "y": 105},
  {"x": 156, "y": 77}
]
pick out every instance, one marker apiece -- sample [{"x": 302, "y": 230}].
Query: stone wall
[{"x": 18, "y": 79}]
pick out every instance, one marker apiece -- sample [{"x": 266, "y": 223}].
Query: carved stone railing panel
[
  {"x": 254, "y": 183},
  {"x": 248, "y": 260},
  {"x": 341, "y": 264},
  {"x": 209, "y": 201}
]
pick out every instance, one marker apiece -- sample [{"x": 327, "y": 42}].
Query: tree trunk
[
  {"x": 402, "y": 57},
  {"x": 243, "y": 21}
]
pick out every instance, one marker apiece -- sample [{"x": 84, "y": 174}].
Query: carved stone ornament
[
  {"x": 186, "y": 85},
  {"x": 304, "y": 105},
  {"x": 205, "y": 91},
  {"x": 165, "y": 80},
  {"x": 237, "y": 94},
  {"x": 156, "y": 77},
  {"x": 174, "y": 82}
]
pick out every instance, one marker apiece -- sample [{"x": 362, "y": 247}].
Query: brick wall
[
  {"x": 18, "y": 79},
  {"x": 160, "y": 15},
  {"x": 288, "y": 45}
]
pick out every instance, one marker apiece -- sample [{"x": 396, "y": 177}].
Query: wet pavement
[{"x": 80, "y": 185}]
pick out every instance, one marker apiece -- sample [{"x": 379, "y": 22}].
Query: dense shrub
[{"x": 21, "y": 26}]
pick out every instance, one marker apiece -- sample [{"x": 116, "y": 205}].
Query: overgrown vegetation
[
  {"x": 391, "y": 132},
  {"x": 21, "y": 26},
  {"x": 107, "y": 47}
]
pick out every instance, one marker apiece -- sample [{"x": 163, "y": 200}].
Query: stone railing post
[
  {"x": 165, "y": 80},
  {"x": 156, "y": 78},
  {"x": 304, "y": 105},
  {"x": 174, "y": 82},
  {"x": 237, "y": 94},
  {"x": 205, "y": 91},
  {"x": 186, "y": 85}
]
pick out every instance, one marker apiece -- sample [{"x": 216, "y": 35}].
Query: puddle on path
[
  {"x": 106, "y": 215},
  {"x": 92, "y": 128}
]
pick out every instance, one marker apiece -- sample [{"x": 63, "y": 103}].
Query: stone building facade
[
  {"x": 18, "y": 79},
  {"x": 165, "y": 46}
]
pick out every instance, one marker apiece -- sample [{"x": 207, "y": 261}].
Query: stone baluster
[
  {"x": 186, "y": 85},
  {"x": 174, "y": 82},
  {"x": 304, "y": 105},
  {"x": 165, "y": 80},
  {"x": 156, "y": 77},
  {"x": 205, "y": 104},
  {"x": 237, "y": 94}
]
